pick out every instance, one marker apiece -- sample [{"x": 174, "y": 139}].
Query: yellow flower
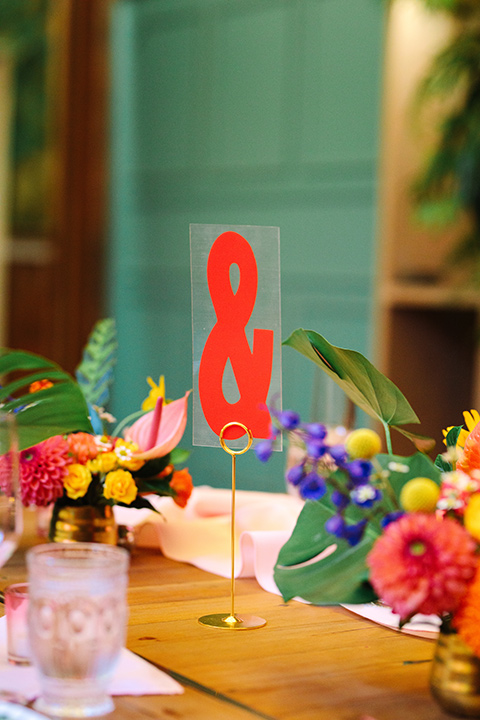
[
  {"x": 104, "y": 462},
  {"x": 157, "y": 391},
  {"x": 77, "y": 481},
  {"x": 471, "y": 518},
  {"x": 471, "y": 420},
  {"x": 120, "y": 486},
  {"x": 420, "y": 495},
  {"x": 363, "y": 443},
  {"x": 124, "y": 450}
]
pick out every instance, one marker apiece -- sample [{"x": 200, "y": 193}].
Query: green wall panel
[{"x": 257, "y": 112}]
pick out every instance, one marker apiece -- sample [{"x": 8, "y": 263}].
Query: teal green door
[{"x": 241, "y": 112}]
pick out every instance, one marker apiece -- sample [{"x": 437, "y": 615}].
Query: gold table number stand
[{"x": 222, "y": 620}]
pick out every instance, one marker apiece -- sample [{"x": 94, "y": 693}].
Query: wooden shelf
[{"x": 427, "y": 327}]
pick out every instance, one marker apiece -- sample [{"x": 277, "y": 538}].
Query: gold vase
[
  {"x": 85, "y": 523},
  {"x": 455, "y": 677}
]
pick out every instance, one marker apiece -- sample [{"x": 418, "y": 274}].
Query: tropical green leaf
[
  {"x": 366, "y": 386},
  {"x": 95, "y": 372},
  {"x": 58, "y": 409},
  {"x": 340, "y": 577},
  {"x": 421, "y": 442},
  {"x": 402, "y": 469}
]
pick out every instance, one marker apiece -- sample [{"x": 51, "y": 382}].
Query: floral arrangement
[
  {"x": 405, "y": 530},
  {"x": 99, "y": 467}
]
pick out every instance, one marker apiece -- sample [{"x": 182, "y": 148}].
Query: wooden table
[{"x": 307, "y": 663}]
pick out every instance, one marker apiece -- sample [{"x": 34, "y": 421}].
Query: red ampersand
[{"x": 227, "y": 339}]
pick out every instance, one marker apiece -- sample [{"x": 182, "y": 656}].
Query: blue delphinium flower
[
  {"x": 288, "y": 419},
  {"x": 315, "y": 448},
  {"x": 391, "y": 517},
  {"x": 354, "y": 533},
  {"x": 359, "y": 471},
  {"x": 338, "y": 454},
  {"x": 366, "y": 495},
  {"x": 335, "y": 525},
  {"x": 264, "y": 450},
  {"x": 313, "y": 486},
  {"x": 339, "y": 499},
  {"x": 295, "y": 474},
  {"x": 316, "y": 430}
]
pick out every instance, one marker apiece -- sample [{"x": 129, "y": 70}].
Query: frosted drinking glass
[{"x": 77, "y": 622}]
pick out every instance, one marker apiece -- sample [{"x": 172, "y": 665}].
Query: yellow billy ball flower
[
  {"x": 471, "y": 518},
  {"x": 120, "y": 486},
  {"x": 363, "y": 443},
  {"x": 420, "y": 495},
  {"x": 77, "y": 481}
]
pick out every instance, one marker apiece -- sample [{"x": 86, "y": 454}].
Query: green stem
[
  {"x": 125, "y": 421},
  {"x": 388, "y": 438}
]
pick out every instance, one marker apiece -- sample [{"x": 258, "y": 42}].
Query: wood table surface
[{"x": 307, "y": 663}]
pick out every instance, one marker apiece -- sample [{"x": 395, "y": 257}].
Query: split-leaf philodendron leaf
[
  {"x": 342, "y": 575},
  {"x": 366, "y": 386},
  {"x": 58, "y": 409}
]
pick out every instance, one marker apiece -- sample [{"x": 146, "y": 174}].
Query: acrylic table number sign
[{"x": 235, "y": 272}]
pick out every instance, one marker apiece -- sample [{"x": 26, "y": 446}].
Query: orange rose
[{"x": 181, "y": 483}]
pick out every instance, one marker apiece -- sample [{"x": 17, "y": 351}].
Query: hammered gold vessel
[
  {"x": 85, "y": 524},
  {"x": 455, "y": 678}
]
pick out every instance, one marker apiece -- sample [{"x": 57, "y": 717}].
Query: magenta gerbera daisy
[
  {"x": 422, "y": 564},
  {"x": 42, "y": 470}
]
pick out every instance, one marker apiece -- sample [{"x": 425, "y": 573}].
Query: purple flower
[
  {"x": 316, "y": 430},
  {"x": 365, "y": 495},
  {"x": 339, "y": 454},
  {"x": 354, "y": 533},
  {"x": 391, "y": 517},
  {"x": 288, "y": 419},
  {"x": 264, "y": 450},
  {"x": 339, "y": 499},
  {"x": 295, "y": 474},
  {"x": 359, "y": 471},
  {"x": 315, "y": 449},
  {"x": 313, "y": 486},
  {"x": 335, "y": 525}
]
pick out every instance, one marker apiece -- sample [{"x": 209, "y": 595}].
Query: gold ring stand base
[{"x": 233, "y": 621}]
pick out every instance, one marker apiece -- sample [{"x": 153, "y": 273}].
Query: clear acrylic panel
[{"x": 236, "y": 328}]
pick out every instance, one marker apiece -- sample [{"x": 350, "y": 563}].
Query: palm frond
[{"x": 95, "y": 372}]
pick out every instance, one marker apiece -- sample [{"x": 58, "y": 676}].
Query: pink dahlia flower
[
  {"x": 422, "y": 564},
  {"x": 42, "y": 470}
]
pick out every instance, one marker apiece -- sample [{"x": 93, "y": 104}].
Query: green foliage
[
  {"x": 448, "y": 184},
  {"x": 366, "y": 386},
  {"x": 58, "y": 409},
  {"x": 95, "y": 372},
  {"x": 339, "y": 578},
  {"x": 342, "y": 576}
]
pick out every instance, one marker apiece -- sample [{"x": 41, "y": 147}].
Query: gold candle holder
[{"x": 232, "y": 621}]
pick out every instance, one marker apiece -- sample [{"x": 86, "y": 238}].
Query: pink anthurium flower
[{"x": 159, "y": 431}]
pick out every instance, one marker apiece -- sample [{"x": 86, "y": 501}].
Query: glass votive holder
[
  {"x": 77, "y": 623},
  {"x": 16, "y": 607}
]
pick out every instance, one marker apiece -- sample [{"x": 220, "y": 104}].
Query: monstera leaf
[
  {"x": 366, "y": 386},
  {"x": 54, "y": 410},
  {"x": 318, "y": 567}
]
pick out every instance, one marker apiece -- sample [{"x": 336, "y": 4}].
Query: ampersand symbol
[{"x": 227, "y": 339}]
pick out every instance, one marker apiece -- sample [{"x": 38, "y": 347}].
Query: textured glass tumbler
[{"x": 77, "y": 617}]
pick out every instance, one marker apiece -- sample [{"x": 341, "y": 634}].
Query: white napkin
[
  {"x": 132, "y": 675},
  {"x": 200, "y": 534}
]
